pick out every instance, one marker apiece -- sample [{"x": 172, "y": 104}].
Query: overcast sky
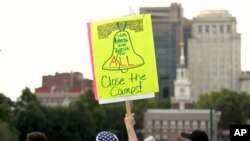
[{"x": 42, "y": 37}]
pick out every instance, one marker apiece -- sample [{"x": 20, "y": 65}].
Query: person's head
[
  {"x": 106, "y": 136},
  {"x": 36, "y": 136},
  {"x": 196, "y": 135},
  {"x": 150, "y": 138}
]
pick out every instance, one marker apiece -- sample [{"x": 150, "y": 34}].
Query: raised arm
[{"x": 129, "y": 121}]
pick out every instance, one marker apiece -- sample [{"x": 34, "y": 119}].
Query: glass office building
[{"x": 167, "y": 28}]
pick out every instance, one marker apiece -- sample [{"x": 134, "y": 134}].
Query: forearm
[{"x": 131, "y": 133}]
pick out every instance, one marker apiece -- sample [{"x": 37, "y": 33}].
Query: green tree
[
  {"x": 82, "y": 120},
  {"x": 8, "y": 132},
  {"x": 229, "y": 103},
  {"x": 89, "y": 105},
  {"x": 6, "y": 106},
  {"x": 245, "y": 106},
  {"x": 26, "y": 98},
  {"x": 29, "y": 115},
  {"x": 71, "y": 124}
]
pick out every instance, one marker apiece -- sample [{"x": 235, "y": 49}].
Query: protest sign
[{"x": 123, "y": 58}]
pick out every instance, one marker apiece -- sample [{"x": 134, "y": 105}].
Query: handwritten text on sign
[
  {"x": 113, "y": 83},
  {"x": 123, "y": 57}
]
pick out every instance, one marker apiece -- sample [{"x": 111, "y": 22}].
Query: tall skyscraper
[
  {"x": 214, "y": 52},
  {"x": 166, "y": 23}
]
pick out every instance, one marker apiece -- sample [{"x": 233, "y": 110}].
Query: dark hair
[
  {"x": 196, "y": 135},
  {"x": 36, "y": 136}
]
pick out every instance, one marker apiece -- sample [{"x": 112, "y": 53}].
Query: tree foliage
[
  {"x": 234, "y": 106},
  {"x": 82, "y": 120},
  {"x": 8, "y": 131},
  {"x": 29, "y": 116},
  {"x": 5, "y": 107}
]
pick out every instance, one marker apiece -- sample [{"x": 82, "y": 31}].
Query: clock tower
[{"x": 182, "y": 87}]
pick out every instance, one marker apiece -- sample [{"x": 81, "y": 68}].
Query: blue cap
[{"x": 106, "y": 136}]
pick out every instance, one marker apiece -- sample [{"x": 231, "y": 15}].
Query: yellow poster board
[{"x": 123, "y": 58}]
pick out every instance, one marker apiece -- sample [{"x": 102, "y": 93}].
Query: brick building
[
  {"x": 167, "y": 124},
  {"x": 62, "y": 88}
]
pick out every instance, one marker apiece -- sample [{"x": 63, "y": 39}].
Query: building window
[
  {"x": 43, "y": 100},
  {"x": 149, "y": 123},
  {"x": 195, "y": 125},
  {"x": 228, "y": 28},
  {"x": 207, "y": 28},
  {"x": 172, "y": 124},
  {"x": 182, "y": 74},
  {"x": 187, "y": 124},
  {"x": 214, "y": 28},
  {"x": 149, "y": 130},
  {"x": 179, "y": 125},
  {"x": 157, "y": 137},
  {"x": 165, "y": 124},
  {"x": 165, "y": 137},
  {"x": 149, "y": 126},
  {"x": 200, "y": 29},
  {"x": 165, "y": 130},
  {"x": 221, "y": 29},
  {"x": 157, "y": 124},
  {"x": 203, "y": 125}
]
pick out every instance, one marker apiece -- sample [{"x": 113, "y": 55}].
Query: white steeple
[
  {"x": 182, "y": 85},
  {"x": 182, "y": 57}
]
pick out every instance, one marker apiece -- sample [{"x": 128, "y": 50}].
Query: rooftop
[{"x": 214, "y": 13}]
